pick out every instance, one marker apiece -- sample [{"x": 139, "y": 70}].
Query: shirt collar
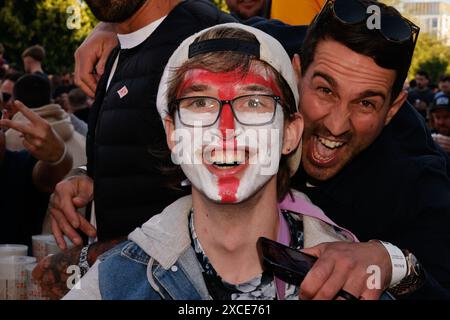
[{"x": 131, "y": 40}]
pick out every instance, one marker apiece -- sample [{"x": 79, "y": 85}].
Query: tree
[
  {"x": 432, "y": 56},
  {"x": 221, "y": 4},
  {"x": 58, "y": 25}
]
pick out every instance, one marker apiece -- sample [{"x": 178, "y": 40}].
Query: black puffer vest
[{"x": 125, "y": 131}]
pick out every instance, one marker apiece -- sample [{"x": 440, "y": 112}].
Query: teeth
[
  {"x": 229, "y": 157},
  {"x": 330, "y": 144}
]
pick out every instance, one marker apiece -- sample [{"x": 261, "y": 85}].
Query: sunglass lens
[
  {"x": 349, "y": 11},
  {"x": 395, "y": 28},
  {"x": 6, "y": 97}
]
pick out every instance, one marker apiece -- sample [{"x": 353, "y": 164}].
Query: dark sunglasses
[
  {"x": 394, "y": 28},
  {"x": 6, "y": 96}
]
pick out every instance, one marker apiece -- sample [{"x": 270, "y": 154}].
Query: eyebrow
[
  {"x": 372, "y": 93},
  {"x": 194, "y": 88},
  {"x": 255, "y": 87},
  {"x": 326, "y": 77}
]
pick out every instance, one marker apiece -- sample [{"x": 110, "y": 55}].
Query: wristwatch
[
  {"x": 83, "y": 263},
  {"x": 414, "y": 279}
]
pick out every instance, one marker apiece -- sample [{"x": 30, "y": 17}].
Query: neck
[
  {"x": 149, "y": 12},
  {"x": 228, "y": 232},
  {"x": 36, "y": 68}
]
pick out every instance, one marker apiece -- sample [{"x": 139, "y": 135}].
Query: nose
[
  {"x": 226, "y": 121},
  {"x": 338, "y": 120}
]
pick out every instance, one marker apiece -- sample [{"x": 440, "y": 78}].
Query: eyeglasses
[
  {"x": 249, "y": 110},
  {"x": 394, "y": 28},
  {"x": 6, "y": 96}
]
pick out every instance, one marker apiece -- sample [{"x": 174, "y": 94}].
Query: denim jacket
[{"x": 158, "y": 262}]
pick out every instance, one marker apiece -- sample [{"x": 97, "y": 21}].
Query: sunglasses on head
[{"x": 394, "y": 28}]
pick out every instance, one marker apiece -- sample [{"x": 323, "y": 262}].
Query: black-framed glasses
[
  {"x": 6, "y": 96},
  {"x": 394, "y": 28},
  {"x": 249, "y": 110}
]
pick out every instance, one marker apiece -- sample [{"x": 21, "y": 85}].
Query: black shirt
[{"x": 22, "y": 206}]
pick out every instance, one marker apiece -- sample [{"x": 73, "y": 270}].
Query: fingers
[
  {"x": 19, "y": 126},
  {"x": 61, "y": 225},
  {"x": 331, "y": 287},
  {"x": 27, "y": 113},
  {"x": 57, "y": 234},
  {"x": 84, "y": 64},
  {"x": 316, "y": 277},
  {"x": 87, "y": 228}
]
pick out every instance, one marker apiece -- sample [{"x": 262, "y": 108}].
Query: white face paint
[
  {"x": 228, "y": 162},
  {"x": 258, "y": 148}
]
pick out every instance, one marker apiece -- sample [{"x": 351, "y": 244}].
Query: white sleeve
[{"x": 87, "y": 288}]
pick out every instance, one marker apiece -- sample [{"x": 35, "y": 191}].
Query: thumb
[{"x": 315, "y": 251}]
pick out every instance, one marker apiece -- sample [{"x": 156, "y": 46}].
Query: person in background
[
  {"x": 29, "y": 176},
  {"x": 246, "y": 9},
  {"x": 6, "y": 90},
  {"x": 34, "y": 91},
  {"x": 421, "y": 96},
  {"x": 78, "y": 104},
  {"x": 33, "y": 58},
  {"x": 440, "y": 115},
  {"x": 444, "y": 86}
]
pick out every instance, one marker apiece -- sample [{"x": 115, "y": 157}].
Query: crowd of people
[{"x": 177, "y": 148}]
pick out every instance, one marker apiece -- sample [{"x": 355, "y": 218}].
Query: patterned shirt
[{"x": 261, "y": 287}]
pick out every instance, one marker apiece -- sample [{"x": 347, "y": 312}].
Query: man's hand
[
  {"x": 91, "y": 56},
  {"x": 443, "y": 141},
  {"x": 70, "y": 194},
  {"x": 51, "y": 272},
  {"x": 39, "y": 138},
  {"x": 344, "y": 266}
]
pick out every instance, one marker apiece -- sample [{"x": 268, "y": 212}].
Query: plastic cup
[
  {"x": 51, "y": 247},
  {"x": 39, "y": 247},
  {"x": 13, "y": 277},
  {"x": 8, "y": 250},
  {"x": 34, "y": 291}
]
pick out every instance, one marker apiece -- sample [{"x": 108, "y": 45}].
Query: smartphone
[{"x": 287, "y": 264}]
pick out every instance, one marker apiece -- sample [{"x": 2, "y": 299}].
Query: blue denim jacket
[
  {"x": 123, "y": 276},
  {"x": 158, "y": 261}
]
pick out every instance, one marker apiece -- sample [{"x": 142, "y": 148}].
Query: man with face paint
[{"x": 228, "y": 101}]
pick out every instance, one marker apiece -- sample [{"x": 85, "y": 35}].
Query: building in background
[{"x": 433, "y": 17}]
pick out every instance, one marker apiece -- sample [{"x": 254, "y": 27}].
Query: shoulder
[
  {"x": 204, "y": 13},
  {"x": 122, "y": 273}
]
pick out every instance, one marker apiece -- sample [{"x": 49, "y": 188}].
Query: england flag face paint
[{"x": 228, "y": 161}]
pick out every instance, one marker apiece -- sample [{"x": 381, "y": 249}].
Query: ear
[
  {"x": 169, "y": 126},
  {"x": 292, "y": 134},
  {"x": 398, "y": 103},
  {"x": 297, "y": 65}
]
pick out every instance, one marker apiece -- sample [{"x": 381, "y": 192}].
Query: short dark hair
[
  {"x": 423, "y": 73},
  {"x": 33, "y": 90},
  {"x": 444, "y": 78},
  {"x": 36, "y": 52},
  {"x": 77, "y": 98},
  {"x": 357, "y": 37},
  {"x": 13, "y": 76}
]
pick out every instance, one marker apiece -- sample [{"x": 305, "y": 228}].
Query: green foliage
[
  {"x": 58, "y": 25},
  {"x": 432, "y": 56}
]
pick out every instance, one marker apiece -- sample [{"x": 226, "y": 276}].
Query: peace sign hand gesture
[{"x": 39, "y": 138}]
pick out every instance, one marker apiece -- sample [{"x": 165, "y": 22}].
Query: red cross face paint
[{"x": 228, "y": 161}]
